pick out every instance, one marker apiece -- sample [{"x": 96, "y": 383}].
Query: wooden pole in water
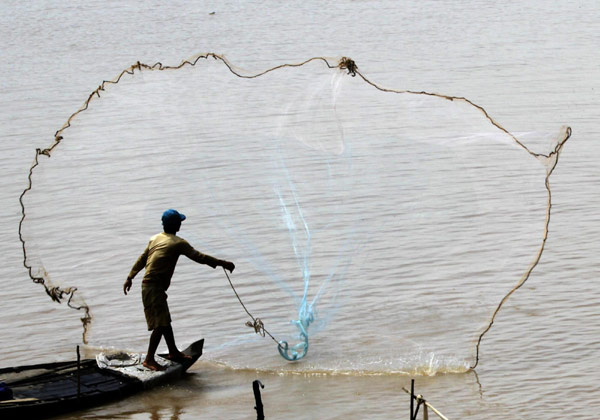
[
  {"x": 256, "y": 385},
  {"x": 427, "y": 405},
  {"x": 418, "y": 406},
  {"x": 412, "y": 397},
  {"x": 78, "y": 373}
]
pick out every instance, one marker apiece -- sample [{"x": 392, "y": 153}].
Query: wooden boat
[{"x": 44, "y": 390}]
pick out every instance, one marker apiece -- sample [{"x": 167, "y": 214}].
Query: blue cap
[{"x": 171, "y": 216}]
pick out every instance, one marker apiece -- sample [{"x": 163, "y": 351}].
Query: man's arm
[
  {"x": 139, "y": 264},
  {"x": 201, "y": 258}
]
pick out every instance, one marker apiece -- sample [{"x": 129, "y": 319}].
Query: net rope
[
  {"x": 60, "y": 294},
  {"x": 258, "y": 326}
]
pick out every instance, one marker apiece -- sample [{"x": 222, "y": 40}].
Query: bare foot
[
  {"x": 153, "y": 365},
  {"x": 178, "y": 357}
]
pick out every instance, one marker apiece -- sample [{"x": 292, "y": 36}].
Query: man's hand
[
  {"x": 228, "y": 265},
  {"x": 126, "y": 286}
]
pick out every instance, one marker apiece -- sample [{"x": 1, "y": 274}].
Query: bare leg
[
  {"x": 174, "y": 353},
  {"x": 155, "y": 337},
  {"x": 170, "y": 339}
]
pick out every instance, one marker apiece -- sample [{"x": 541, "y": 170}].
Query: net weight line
[
  {"x": 59, "y": 294},
  {"x": 56, "y": 293}
]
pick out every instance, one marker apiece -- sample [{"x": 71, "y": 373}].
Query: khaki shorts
[{"x": 155, "y": 307}]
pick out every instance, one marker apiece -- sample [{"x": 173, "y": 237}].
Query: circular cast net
[{"x": 383, "y": 227}]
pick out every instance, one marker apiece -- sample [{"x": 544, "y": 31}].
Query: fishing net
[{"x": 381, "y": 226}]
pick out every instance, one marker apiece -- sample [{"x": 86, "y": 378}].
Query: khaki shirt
[{"x": 161, "y": 255}]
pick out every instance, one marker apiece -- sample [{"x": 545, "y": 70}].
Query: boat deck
[
  {"x": 63, "y": 388},
  {"x": 46, "y": 390}
]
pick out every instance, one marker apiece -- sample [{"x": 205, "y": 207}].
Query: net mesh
[{"x": 408, "y": 217}]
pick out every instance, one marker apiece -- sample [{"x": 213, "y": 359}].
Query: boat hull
[{"x": 46, "y": 390}]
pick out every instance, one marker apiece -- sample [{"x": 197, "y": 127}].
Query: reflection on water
[{"x": 211, "y": 392}]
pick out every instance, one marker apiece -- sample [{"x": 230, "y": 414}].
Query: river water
[{"x": 424, "y": 215}]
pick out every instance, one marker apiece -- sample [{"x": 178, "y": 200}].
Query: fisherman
[{"x": 159, "y": 259}]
